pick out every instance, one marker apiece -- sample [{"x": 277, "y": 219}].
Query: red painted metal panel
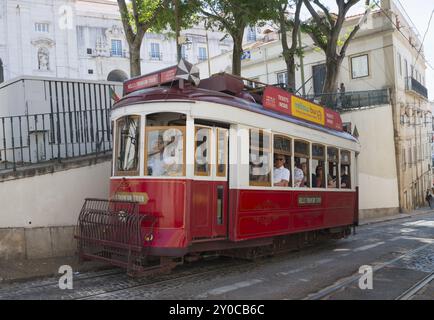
[
  {"x": 277, "y": 100},
  {"x": 202, "y": 200},
  {"x": 166, "y": 200},
  {"x": 260, "y": 213},
  {"x": 203, "y": 212},
  {"x": 333, "y": 120}
]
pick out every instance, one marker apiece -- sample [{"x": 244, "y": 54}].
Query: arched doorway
[
  {"x": 117, "y": 76},
  {"x": 2, "y": 78}
]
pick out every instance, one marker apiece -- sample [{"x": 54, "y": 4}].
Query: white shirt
[
  {"x": 280, "y": 174},
  {"x": 298, "y": 176}
]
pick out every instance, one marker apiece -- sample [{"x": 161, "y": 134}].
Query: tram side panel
[
  {"x": 167, "y": 200},
  {"x": 267, "y": 213}
]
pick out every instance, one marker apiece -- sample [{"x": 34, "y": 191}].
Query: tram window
[
  {"x": 202, "y": 151},
  {"x": 301, "y": 164},
  {"x": 345, "y": 169},
  {"x": 127, "y": 149},
  {"x": 282, "y": 161},
  {"x": 259, "y": 158},
  {"x": 318, "y": 161},
  {"x": 333, "y": 174},
  {"x": 222, "y": 146},
  {"x": 165, "y": 145}
]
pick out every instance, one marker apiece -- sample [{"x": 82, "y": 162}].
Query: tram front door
[{"x": 209, "y": 192}]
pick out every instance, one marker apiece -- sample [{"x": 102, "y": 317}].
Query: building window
[
  {"x": 155, "y": 51},
  {"x": 89, "y": 51},
  {"x": 251, "y": 34},
  {"x": 202, "y": 54},
  {"x": 42, "y": 27},
  {"x": 282, "y": 78},
  {"x": 90, "y": 71},
  {"x": 359, "y": 66},
  {"x": 1, "y": 72},
  {"x": 259, "y": 159},
  {"x": 116, "y": 48},
  {"x": 399, "y": 64},
  {"x": 183, "y": 52}
]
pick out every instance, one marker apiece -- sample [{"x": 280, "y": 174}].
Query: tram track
[
  {"x": 346, "y": 282},
  {"x": 116, "y": 281},
  {"x": 416, "y": 288}
]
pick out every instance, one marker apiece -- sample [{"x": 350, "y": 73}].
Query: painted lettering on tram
[
  {"x": 140, "y": 197},
  {"x": 305, "y": 200}
]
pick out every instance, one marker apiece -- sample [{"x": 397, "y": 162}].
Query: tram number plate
[{"x": 304, "y": 200}]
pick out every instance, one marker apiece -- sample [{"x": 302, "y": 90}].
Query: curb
[{"x": 396, "y": 217}]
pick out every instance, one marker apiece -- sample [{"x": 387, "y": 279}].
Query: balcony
[
  {"x": 412, "y": 85},
  {"x": 352, "y": 99}
]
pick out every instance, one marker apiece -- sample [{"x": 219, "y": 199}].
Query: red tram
[{"x": 198, "y": 165}]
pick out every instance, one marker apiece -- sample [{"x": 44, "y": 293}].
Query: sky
[{"x": 419, "y": 12}]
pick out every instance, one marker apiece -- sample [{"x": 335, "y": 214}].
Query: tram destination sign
[
  {"x": 150, "y": 80},
  {"x": 284, "y": 102}
]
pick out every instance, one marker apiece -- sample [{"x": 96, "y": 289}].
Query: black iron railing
[
  {"x": 412, "y": 84},
  {"x": 351, "y": 99},
  {"x": 38, "y": 138}
]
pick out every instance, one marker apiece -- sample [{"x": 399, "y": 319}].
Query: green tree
[
  {"x": 287, "y": 23},
  {"x": 233, "y": 16},
  {"x": 324, "y": 28},
  {"x": 138, "y": 16}
]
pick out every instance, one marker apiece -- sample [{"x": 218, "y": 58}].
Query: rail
[
  {"x": 26, "y": 140},
  {"x": 351, "y": 99}
]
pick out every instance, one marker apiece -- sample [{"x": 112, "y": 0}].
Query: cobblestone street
[{"x": 400, "y": 252}]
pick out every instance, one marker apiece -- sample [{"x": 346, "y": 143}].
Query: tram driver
[{"x": 280, "y": 173}]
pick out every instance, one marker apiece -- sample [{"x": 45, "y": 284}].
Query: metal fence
[
  {"x": 78, "y": 125},
  {"x": 351, "y": 99}
]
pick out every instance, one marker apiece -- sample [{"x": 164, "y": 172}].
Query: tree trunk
[
  {"x": 135, "y": 68},
  {"x": 333, "y": 65},
  {"x": 236, "y": 58},
  {"x": 290, "y": 67},
  {"x": 177, "y": 30}
]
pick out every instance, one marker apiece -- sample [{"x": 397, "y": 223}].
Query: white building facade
[{"x": 84, "y": 39}]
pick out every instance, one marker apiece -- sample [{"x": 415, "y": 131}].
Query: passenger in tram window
[
  {"x": 156, "y": 159},
  {"x": 280, "y": 173},
  {"x": 319, "y": 177},
  {"x": 345, "y": 178},
  {"x": 298, "y": 173},
  {"x": 305, "y": 181},
  {"x": 331, "y": 183}
]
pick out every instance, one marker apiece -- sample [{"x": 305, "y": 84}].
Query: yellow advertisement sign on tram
[{"x": 306, "y": 110}]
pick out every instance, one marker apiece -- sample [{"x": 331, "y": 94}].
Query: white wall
[
  {"x": 51, "y": 199},
  {"x": 378, "y": 183}
]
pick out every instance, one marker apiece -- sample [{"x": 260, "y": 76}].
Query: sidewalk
[
  {"x": 414, "y": 213},
  {"x": 20, "y": 270}
]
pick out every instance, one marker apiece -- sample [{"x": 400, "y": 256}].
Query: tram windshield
[
  {"x": 165, "y": 145},
  {"x": 128, "y": 145}
]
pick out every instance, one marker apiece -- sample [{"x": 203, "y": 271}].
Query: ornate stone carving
[{"x": 43, "y": 59}]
